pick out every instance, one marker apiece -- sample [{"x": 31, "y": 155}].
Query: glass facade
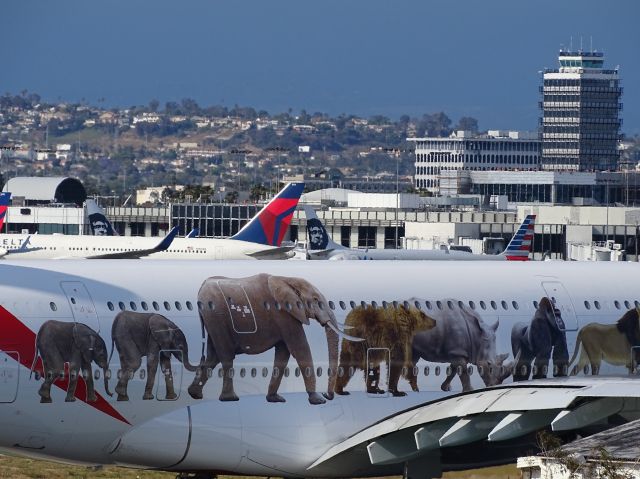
[{"x": 213, "y": 220}]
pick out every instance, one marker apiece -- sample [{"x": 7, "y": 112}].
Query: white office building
[{"x": 496, "y": 150}]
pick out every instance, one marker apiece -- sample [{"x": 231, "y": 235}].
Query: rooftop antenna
[
  {"x": 591, "y": 39},
  {"x": 581, "y": 43},
  {"x": 571, "y": 44}
]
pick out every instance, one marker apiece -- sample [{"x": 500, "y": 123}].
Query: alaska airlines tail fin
[
  {"x": 319, "y": 239},
  {"x": 519, "y": 247},
  {"x": 4, "y": 204},
  {"x": 270, "y": 224},
  {"x": 100, "y": 225}
]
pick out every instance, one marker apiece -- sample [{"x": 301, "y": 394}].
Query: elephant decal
[
  {"x": 152, "y": 335},
  {"x": 254, "y": 314},
  {"x": 536, "y": 341},
  {"x": 390, "y": 328},
  {"x": 608, "y": 342},
  {"x": 460, "y": 337},
  {"x": 58, "y": 343}
]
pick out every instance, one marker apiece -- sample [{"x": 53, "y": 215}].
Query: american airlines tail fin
[
  {"x": 100, "y": 225},
  {"x": 4, "y": 204},
  {"x": 270, "y": 224},
  {"x": 319, "y": 239},
  {"x": 519, "y": 247}
]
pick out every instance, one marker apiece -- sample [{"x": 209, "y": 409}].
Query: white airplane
[
  {"x": 260, "y": 238},
  {"x": 321, "y": 246},
  {"x": 453, "y": 366}
]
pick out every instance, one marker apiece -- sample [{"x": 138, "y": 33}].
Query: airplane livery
[{"x": 315, "y": 369}]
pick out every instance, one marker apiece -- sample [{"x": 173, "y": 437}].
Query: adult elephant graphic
[
  {"x": 60, "y": 342},
  {"x": 460, "y": 338},
  {"x": 536, "y": 341},
  {"x": 255, "y": 314},
  {"x": 136, "y": 335}
]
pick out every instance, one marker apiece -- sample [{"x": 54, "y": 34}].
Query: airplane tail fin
[
  {"x": 4, "y": 204},
  {"x": 100, "y": 225},
  {"x": 520, "y": 245},
  {"x": 319, "y": 239},
  {"x": 193, "y": 233},
  {"x": 270, "y": 224}
]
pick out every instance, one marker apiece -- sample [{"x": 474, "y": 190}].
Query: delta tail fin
[
  {"x": 269, "y": 226},
  {"x": 100, "y": 225},
  {"x": 520, "y": 245},
  {"x": 4, "y": 205},
  {"x": 318, "y": 238}
]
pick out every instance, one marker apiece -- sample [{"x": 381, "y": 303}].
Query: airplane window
[
  {"x": 110, "y": 306},
  {"x": 276, "y": 372},
  {"x": 535, "y": 305},
  {"x": 309, "y": 304},
  {"x": 278, "y": 307},
  {"x": 439, "y": 304},
  {"x": 395, "y": 304},
  {"x": 342, "y": 305},
  {"x": 200, "y": 305},
  {"x": 286, "y": 372},
  {"x": 319, "y": 372},
  {"x": 266, "y": 305},
  {"x": 351, "y": 371},
  {"x": 265, "y": 371},
  {"x": 53, "y": 306},
  {"x": 426, "y": 370},
  {"x": 404, "y": 371},
  {"x": 586, "y": 369},
  {"x": 470, "y": 370},
  {"x": 107, "y": 374},
  {"x": 220, "y": 373},
  {"x": 231, "y": 373},
  {"x": 450, "y": 304},
  {"x": 299, "y": 304},
  {"x": 437, "y": 371},
  {"x": 352, "y": 304},
  {"x": 143, "y": 373},
  {"x": 448, "y": 370},
  {"x": 243, "y": 372},
  {"x": 363, "y": 304},
  {"x": 340, "y": 371},
  {"x": 156, "y": 306},
  {"x": 133, "y": 306},
  {"x": 616, "y": 303},
  {"x": 321, "y": 305},
  {"x": 460, "y": 304},
  {"x": 637, "y": 303},
  {"x": 480, "y": 370},
  {"x": 167, "y": 306},
  {"x": 534, "y": 370},
  {"x": 406, "y": 304},
  {"x": 596, "y": 304},
  {"x": 73, "y": 300},
  {"x": 627, "y": 304},
  {"x": 211, "y": 305},
  {"x": 96, "y": 374},
  {"x": 178, "y": 306},
  {"x": 144, "y": 305},
  {"x": 189, "y": 305},
  {"x": 254, "y": 372},
  {"x": 472, "y": 305},
  {"x": 296, "y": 371},
  {"x": 332, "y": 305},
  {"x": 428, "y": 304},
  {"x": 555, "y": 370},
  {"x": 494, "y": 305},
  {"x": 587, "y": 305},
  {"x": 417, "y": 304},
  {"x": 308, "y": 371},
  {"x": 121, "y": 306},
  {"x": 374, "y": 304},
  {"x": 287, "y": 305},
  {"x": 515, "y": 305},
  {"x": 482, "y": 305},
  {"x": 416, "y": 371},
  {"x": 459, "y": 370},
  {"x": 504, "y": 304}
]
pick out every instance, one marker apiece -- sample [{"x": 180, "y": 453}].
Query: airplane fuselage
[{"x": 249, "y": 387}]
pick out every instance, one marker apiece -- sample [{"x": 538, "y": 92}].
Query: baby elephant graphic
[
  {"x": 60, "y": 342},
  {"x": 152, "y": 335}
]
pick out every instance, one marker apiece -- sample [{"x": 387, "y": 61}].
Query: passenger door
[
  {"x": 9, "y": 371},
  {"x": 559, "y": 296},
  {"x": 81, "y": 304}
]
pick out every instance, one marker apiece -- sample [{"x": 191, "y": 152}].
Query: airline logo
[
  {"x": 318, "y": 237},
  {"x": 270, "y": 225},
  {"x": 100, "y": 225},
  {"x": 519, "y": 247},
  {"x": 4, "y": 204},
  {"x": 19, "y": 342}
]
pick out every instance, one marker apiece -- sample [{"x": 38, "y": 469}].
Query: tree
[
  {"x": 434, "y": 124},
  {"x": 467, "y": 123},
  {"x": 231, "y": 197},
  {"x": 153, "y": 105}
]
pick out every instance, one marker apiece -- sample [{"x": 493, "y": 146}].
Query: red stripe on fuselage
[
  {"x": 517, "y": 258},
  {"x": 16, "y": 336}
]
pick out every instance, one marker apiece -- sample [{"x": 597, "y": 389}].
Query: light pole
[
  {"x": 396, "y": 152},
  {"x": 280, "y": 151}
]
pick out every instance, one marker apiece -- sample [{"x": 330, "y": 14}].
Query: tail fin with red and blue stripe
[
  {"x": 520, "y": 245},
  {"x": 270, "y": 224},
  {"x": 4, "y": 204}
]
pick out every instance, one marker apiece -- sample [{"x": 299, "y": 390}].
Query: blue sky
[{"x": 363, "y": 57}]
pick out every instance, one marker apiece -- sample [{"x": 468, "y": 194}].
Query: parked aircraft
[
  {"x": 321, "y": 246},
  {"x": 100, "y": 225},
  {"x": 4, "y": 204},
  {"x": 260, "y": 238},
  {"x": 239, "y": 366}
]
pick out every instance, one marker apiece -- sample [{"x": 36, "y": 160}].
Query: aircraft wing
[
  {"x": 280, "y": 252},
  {"x": 137, "y": 254},
  {"x": 486, "y": 422}
]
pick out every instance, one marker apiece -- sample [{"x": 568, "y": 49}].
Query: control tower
[{"x": 580, "y": 114}]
